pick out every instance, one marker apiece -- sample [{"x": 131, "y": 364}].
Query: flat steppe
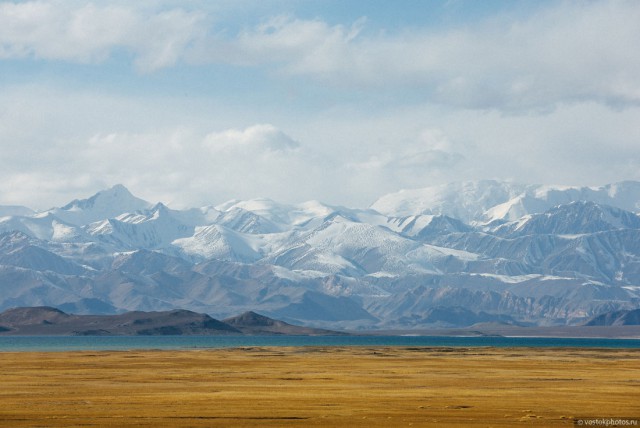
[{"x": 279, "y": 387}]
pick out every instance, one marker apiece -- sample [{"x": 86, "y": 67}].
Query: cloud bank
[
  {"x": 191, "y": 107},
  {"x": 565, "y": 53}
]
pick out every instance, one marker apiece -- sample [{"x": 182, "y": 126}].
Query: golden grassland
[{"x": 279, "y": 387}]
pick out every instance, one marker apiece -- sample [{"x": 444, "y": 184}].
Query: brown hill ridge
[
  {"x": 256, "y": 324},
  {"x": 44, "y": 320}
]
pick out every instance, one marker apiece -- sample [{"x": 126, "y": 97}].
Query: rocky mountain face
[
  {"x": 442, "y": 256},
  {"x": 616, "y": 318}
]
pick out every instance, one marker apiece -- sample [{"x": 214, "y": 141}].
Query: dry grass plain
[{"x": 280, "y": 387}]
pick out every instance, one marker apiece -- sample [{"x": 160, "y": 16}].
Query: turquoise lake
[{"x": 75, "y": 343}]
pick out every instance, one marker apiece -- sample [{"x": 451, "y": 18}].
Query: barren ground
[{"x": 276, "y": 387}]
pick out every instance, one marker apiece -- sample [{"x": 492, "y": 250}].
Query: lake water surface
[{"x": 74, "y": 343}]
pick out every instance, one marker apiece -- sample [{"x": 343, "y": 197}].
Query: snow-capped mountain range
[{"x": 449, "y": 255}]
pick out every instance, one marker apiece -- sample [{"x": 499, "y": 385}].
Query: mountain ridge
[{"x": 565, "y": 259}]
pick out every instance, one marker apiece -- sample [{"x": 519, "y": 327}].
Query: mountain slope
[
  {"x": 580, "y": 217},
  {"x": 630, "y": 317}
]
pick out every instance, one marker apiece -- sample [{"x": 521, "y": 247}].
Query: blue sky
[{"x": 195, "y": 103}]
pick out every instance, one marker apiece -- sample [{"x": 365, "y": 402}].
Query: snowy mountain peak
[
  {"x": 283, "y": 215},
  {"x": 255, "y": 205},
  {"x": 160, "y": 207},
  {"x": 116, "y": 192},
  {"x": 466, "y": 201},
  {"x": 105, "y": 204},
  {"x": 483, "y": 202}
]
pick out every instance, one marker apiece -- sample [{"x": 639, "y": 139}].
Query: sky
[{"x": 195, "y": 103}]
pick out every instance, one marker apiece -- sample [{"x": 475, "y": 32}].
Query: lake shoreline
[{"x": 569, "y": 332}]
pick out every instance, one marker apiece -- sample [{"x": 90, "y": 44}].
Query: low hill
[
  {"x": 256, "y": 324},
  {"x": 45, "y": 320},
  {"x": 49, "y": 321}
]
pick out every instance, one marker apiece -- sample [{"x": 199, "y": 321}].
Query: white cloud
[
  {"x": 304, "y": 47},
  {"x": 256, "y": 139},
  {"x": 430, "y": 152},
  {"x": 92, "y": 32},
  {"x": 569, "y": 52}
]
